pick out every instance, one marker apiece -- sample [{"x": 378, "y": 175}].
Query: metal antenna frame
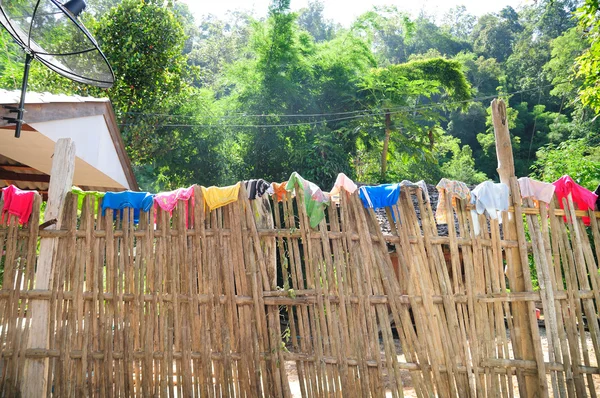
[
  {"x": 31, "y": 54},
  {"x": 21, "y": 109}
]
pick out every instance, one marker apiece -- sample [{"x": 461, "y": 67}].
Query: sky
[{"x": 345, "y": 11}]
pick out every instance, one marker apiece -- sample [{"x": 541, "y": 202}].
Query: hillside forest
[{"x": 391, "y": 97}]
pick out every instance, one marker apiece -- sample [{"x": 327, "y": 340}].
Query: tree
[
  {"x": 427, "y": 35},
  {"x": 573, "y": 157},
  {"x": 484, "y": 74},
  {"x": 312, "y": 20},
  {"x": 394, "y": 93},
  {"x": 493, "y": 35},
  {"x": 589, "y": 62},
  {"x": 218, "y": 43},
  {"x": 144, "y": 41},
  {"x": 388, "y": 30},
  {"x": 561, "y": 68},
  {"x": 458, "y": 22}
]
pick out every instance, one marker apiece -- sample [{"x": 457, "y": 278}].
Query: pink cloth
[
  {"x": 18, "y": 203},
  {"x": 343, "y": 181},
  {"x": 583, "y": 199},
  {"x": 541, "y": 191},
  {"x": 168, "y": 200}
]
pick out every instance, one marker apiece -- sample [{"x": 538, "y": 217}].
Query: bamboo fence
[{"x": 248, "y": 300}]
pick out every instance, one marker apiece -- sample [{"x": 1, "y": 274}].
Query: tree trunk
[{"x": 386, "y": 143}]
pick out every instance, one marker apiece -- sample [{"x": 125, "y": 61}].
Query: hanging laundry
[
  {"x": 379, "y": 196},
  {"x": 583, "y": 199},
  {"x": 490, "y": 198},
  {"x": 138, "y": 201},
  {"x": 278, "y": 191},
  {"x": 342, "y": 181},
  {"x": 419, "y": 184},
  {"x": 168, "y": 200},
  {"x": 216, "y": 197},
  {"x": 256, "y": 188},
  {"x": 18, "y": 203},
  {"x": 81, "y": 194},
  {"x": 541, "y": 191},
  {"x": 315, "y": 200},
  {"x": 597, "y": 192},
  {"x": 454, "y": 189}
]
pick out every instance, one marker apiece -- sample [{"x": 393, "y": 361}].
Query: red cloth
[
  {"x": 17, "y": 202},
  {"x": 583, "y": 199}
]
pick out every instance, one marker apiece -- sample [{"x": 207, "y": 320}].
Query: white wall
[{"x": 93, "y": 145}]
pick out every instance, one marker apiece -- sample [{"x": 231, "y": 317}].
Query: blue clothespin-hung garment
[
  {"x": 138, "y": 201},
  {"x": 379, "y": 196}
]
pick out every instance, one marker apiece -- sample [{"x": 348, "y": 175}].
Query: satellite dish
[{"x": 49, "y": 32}]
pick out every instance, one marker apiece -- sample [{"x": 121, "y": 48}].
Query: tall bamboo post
[
  {"x": 523, "y": 339},
  {"x": 35, "y": 375}
]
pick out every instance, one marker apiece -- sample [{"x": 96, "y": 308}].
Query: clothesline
[{"x": 487, "y": 197}]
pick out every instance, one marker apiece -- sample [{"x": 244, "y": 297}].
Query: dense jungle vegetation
[{"x": 391, "y": 97}]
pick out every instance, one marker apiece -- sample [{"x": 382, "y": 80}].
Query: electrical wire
[{"x": 358, "y": 114}]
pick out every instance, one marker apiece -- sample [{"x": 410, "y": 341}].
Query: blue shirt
[
  {"x": 128, "y": 199},
  {"x": 379, "y": 196}
]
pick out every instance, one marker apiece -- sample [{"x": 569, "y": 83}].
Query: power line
[{"x": 355, "y": 114}]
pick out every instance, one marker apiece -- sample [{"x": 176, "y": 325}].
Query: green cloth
[
  {"x": 315, "y": 200},
  {"x": 81, "y": 194}
]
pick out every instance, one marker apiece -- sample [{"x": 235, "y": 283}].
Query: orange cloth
[{"x": 279, "y": 191}]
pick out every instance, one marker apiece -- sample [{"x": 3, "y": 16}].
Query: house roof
[{"x": 101, "y": 160}]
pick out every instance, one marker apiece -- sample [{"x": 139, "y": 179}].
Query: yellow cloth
[{"x": 216, "y": 197}]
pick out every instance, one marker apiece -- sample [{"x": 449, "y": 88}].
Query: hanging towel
[
  {"x": 18, "y": 203},
  {"x": 379, "y": 196},
  {"x": 583, "y": 199},
  {"x": 138, "y": 201},
  {"x": 81, "y": 194},
  {"x": 541, "y": 191},
  {"x": 278, "y": 190},
  {"x": 455, "y": 189},
  {"x": 168, "y": 200},
  {"x": 216, "y": 197},
  {"x": 315, "y": 200},
  {"x": 419, "y": 184},
  {"x": 490, "y": 198},
  {"x": 342, "y": 181},
  {"x": 256, "y": 188}
]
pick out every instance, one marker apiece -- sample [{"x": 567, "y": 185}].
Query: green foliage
[
  {"x": 589, "y": 62},
  {"x": 216, "y": 100},
  {"x": 576, "y": 158},
  {"x": 144, "y": 42},
  {"x": 493, "y": 35},
  {"x": 461, "y": 166},
  {"x": 561, "y": 69}
]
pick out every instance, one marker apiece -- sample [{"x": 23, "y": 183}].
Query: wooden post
[
  {"x": 35, "y": 375},
  {"x": 386, "y": 144},
  {"x": 523, "y": 339}
]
